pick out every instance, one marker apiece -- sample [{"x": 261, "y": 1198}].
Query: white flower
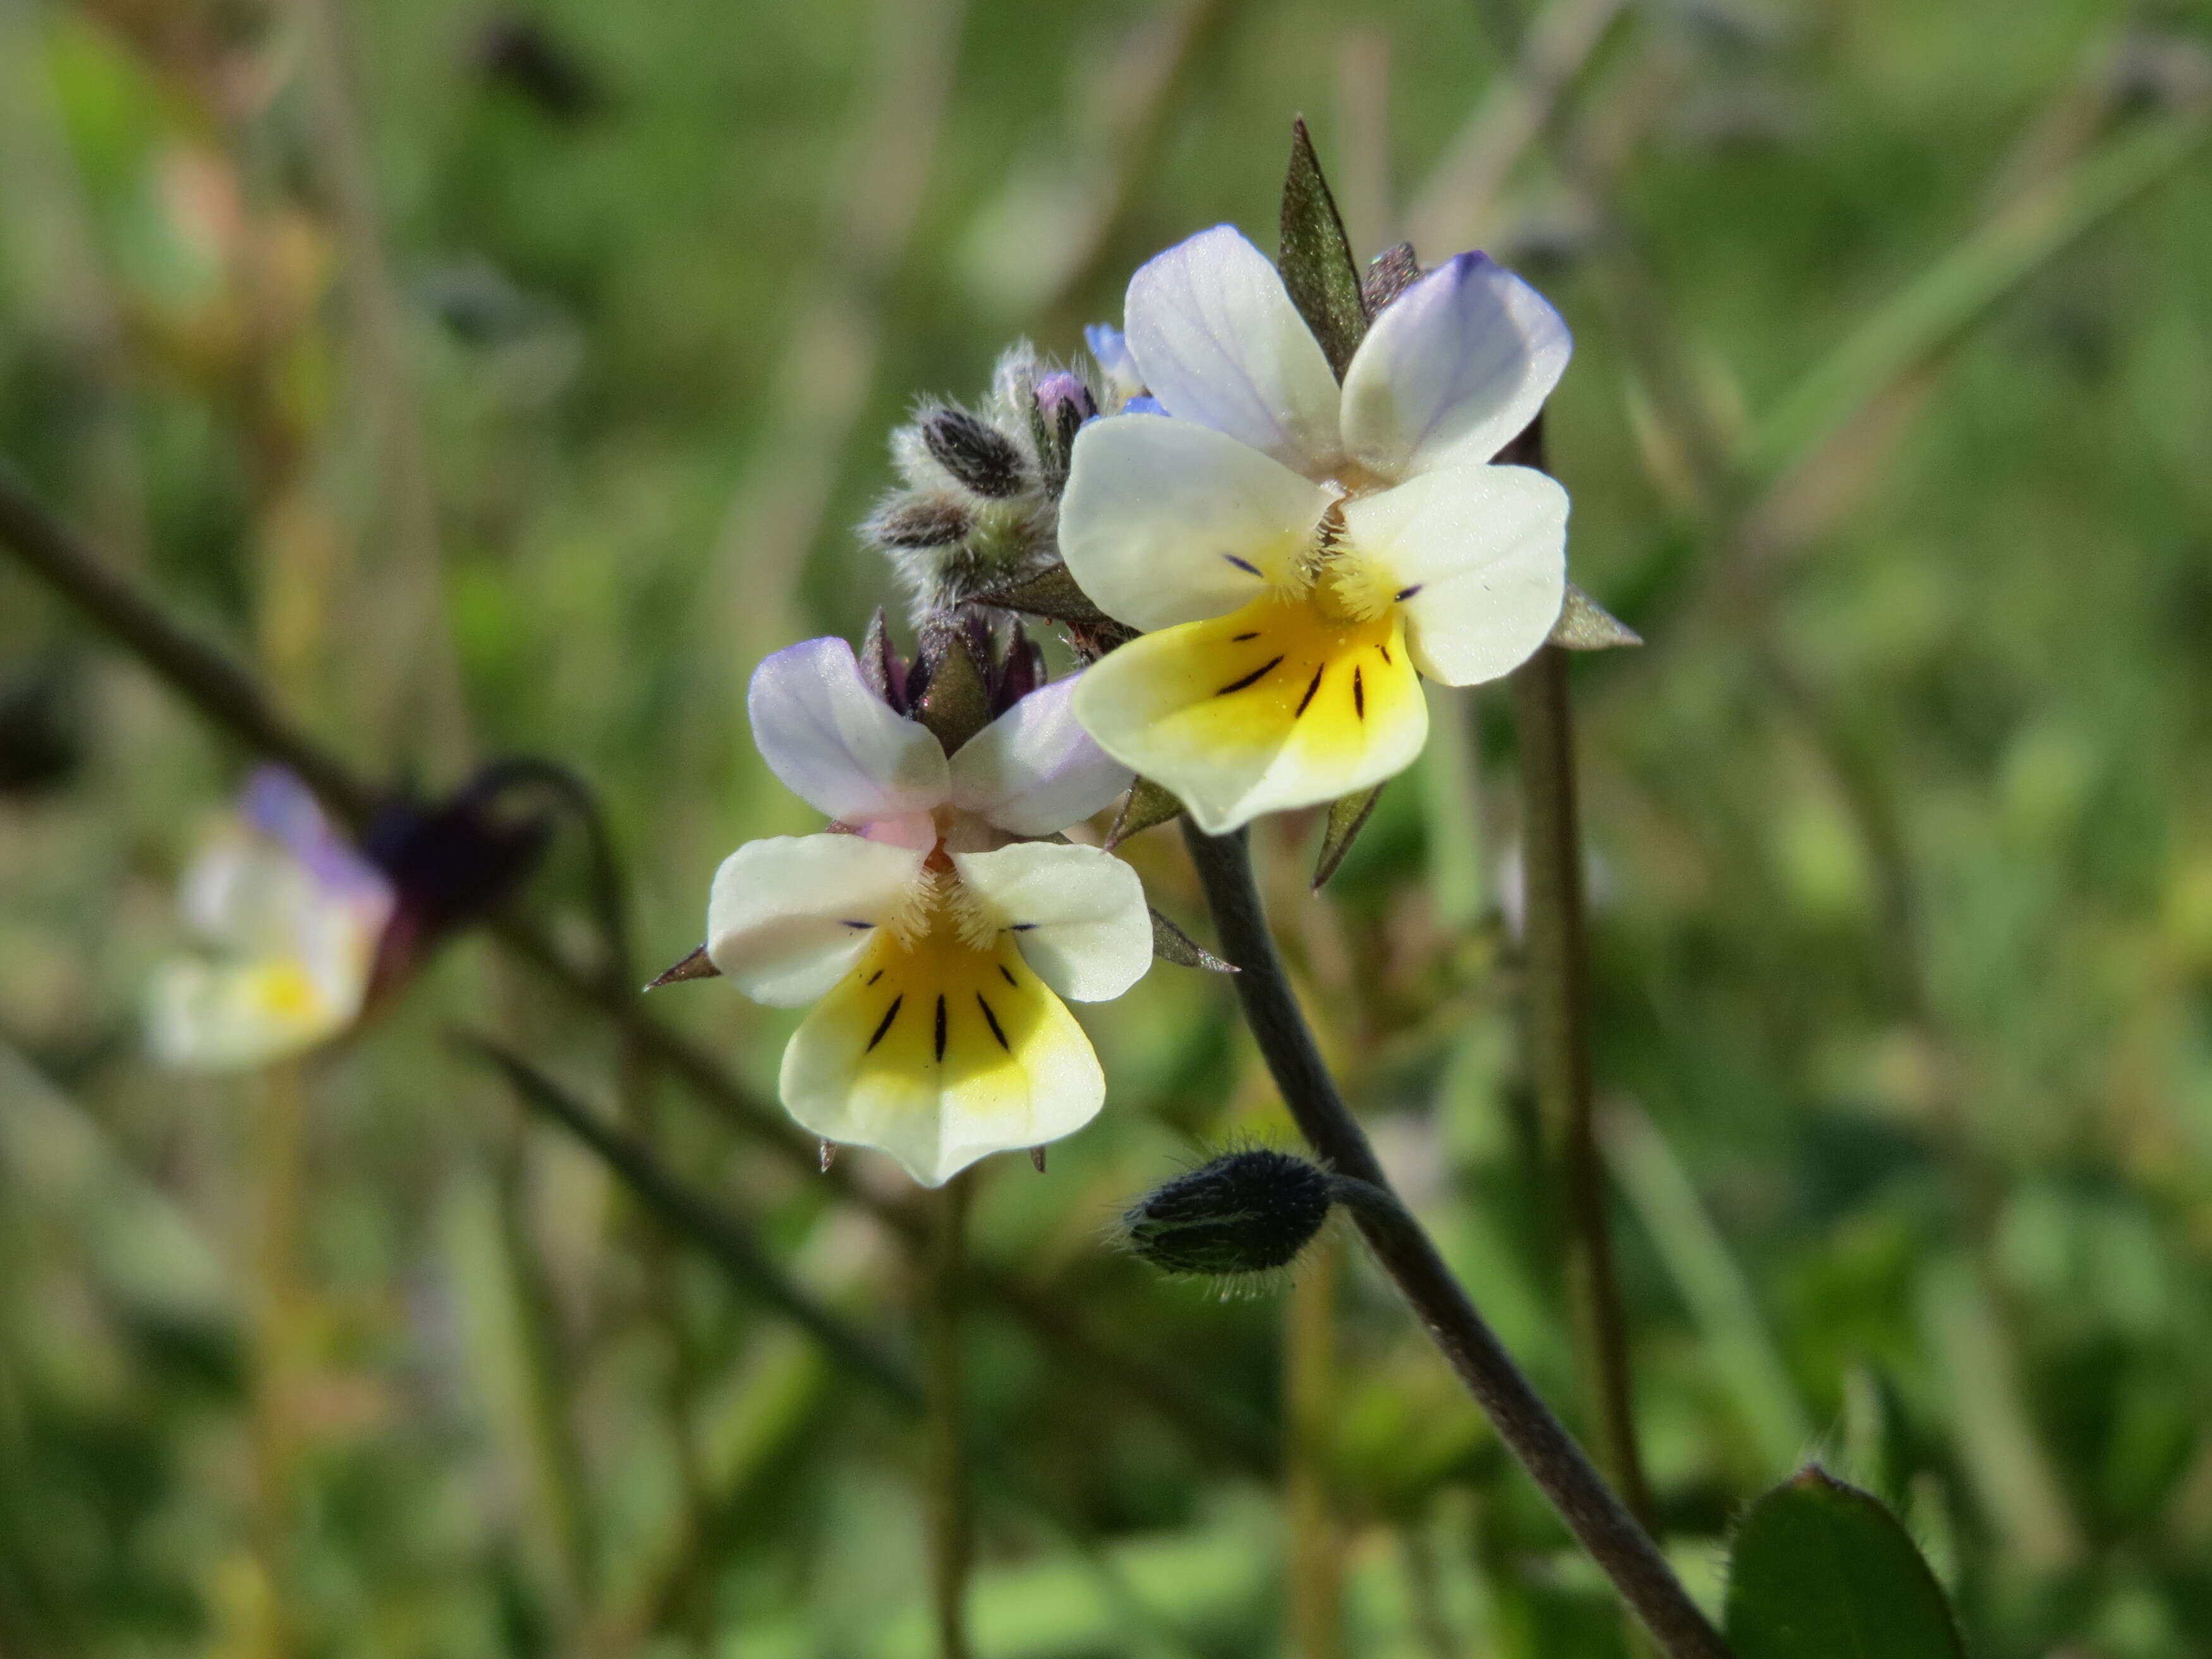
[
  {"x": 293, "y": 915},
  {"x": 1296, "y": 550},
  {"x": 934, "y": 944}
]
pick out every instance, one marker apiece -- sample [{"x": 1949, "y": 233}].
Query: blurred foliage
[{"x": 505, "y": 380}]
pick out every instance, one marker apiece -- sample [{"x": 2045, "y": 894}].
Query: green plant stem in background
[
  {"x": 952, "y": 1518},
  {"x": 1314, "y": 1595},
  {"x": 279, "y": 1128},
  {"x": 1551, "y": 871},
  {"x": 1613, "y": 1537},
  {"x": 720, "y": 1234}
]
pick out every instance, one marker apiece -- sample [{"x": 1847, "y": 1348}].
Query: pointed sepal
[
  {"x": 1316, "y": 257},
  {"x": 1586, "y": 625},
  {"x": 1171, "y": 943},
  {"x": 1347, "y": 817},
  {"x": 954, "y": 700},
  {"x": 697, "y": 965},
  {"x": 1051, "y": 593},
  {"x": 1147, "y": 804}
]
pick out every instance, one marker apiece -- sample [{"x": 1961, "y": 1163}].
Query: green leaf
[
  {"x": 1586, "y": 625},
  {"x": 1822, "y": 1571},
  {"x": 1050, "y": 592},
  {"x": 1347, "y": 817},
  {"x": 1171, "y": 943},
  {"x": 1148, "y": 803},
  {"x": 1316, "y": 257}
]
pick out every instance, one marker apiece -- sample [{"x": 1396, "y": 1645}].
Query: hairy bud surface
[{"x": 1243, "y": 1212}]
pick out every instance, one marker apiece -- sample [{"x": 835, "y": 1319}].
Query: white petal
[
  {"x": 1077, "y": 913},
  {"x": 1478, "y": 554},
  {"x": 1453, "y": 369},
  {"x": 835, "y": 743},
  {"x": 789, "y": 915},
  {"x": 1218, "y": 342},
  {"x": 1034, "y": 771},
  {"x": 1165, "y": 522},
  {"x": 939, "y": 1053}
]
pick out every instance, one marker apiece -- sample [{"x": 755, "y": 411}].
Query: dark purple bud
[
  {"x": 1017, "y": 670},
  {"x": 880, "y": 665},
  {"x": 453, "y": 862},
  {"x": 975, "y": 452}
]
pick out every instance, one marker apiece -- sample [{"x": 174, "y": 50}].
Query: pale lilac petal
[
  {"x": 835, "y": 743},
  {"x": 1452, "y": 370},
  {"x": 1035, "y": 770},
  {"x": 1219, "y": 342}
]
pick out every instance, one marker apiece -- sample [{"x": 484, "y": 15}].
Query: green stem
[
  {"x": 952, "y": 1519},
  {"x": 1614, "y": 1539},
  {"x": 1559, "y": 1057}
]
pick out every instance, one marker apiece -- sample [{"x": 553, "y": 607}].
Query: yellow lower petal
[
  {"x": 939, "y": 1051},
  {"x": 1278, "y": 705}
]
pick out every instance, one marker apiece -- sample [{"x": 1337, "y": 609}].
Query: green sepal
[
  {"x": 1171, "y": 943},
  {"x": 1347, "y": 817},
  {"x": 1316, "y": 257},
  {"x": 1147, "y": 804},
  {"x": 1586, "y": 625},
  {"x": 1823, "y": 1571},
  {"x": 1050, "y": 592},
  {"x": 955, "y": 703}
]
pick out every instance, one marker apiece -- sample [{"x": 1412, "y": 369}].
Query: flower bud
[
  {"x": 1244, "y": 1213},
  {"x": 1063, "y": 404},
  {"x": 975, "y": 452},
  {"x": 921, "y": 522}
]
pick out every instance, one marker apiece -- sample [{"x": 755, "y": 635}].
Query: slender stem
[
  {"x": 279, "y": 1132},
  {"x": 721, "y": 1235},
  {"x": 1537, "y": 1438},
  {"x": 952, "y": 1519},
  {"x": 1314, "y": 1600},
  {"x": 223, "y": 692},
  {"x": 1559, "y": 1055},
  {"x": 1607, "y": 1529},
  {"x": 229, "y": 698}
]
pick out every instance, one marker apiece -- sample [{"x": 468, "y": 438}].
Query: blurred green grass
[{"x": 1903, "y": 843}]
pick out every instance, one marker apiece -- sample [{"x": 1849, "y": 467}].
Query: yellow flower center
[{"x": 951, "y": 997}]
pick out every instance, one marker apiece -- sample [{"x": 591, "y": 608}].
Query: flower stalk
[
  {"x": 1559, "y": 985},
  {"x": 1613, "y": 1537},
  {"x": 952, "y": 1518},
  {"x": 1559, "y": 1057}
]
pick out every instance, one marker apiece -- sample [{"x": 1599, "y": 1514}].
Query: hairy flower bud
[
  {"x": 975, "y": 452},
  {"x": 1243, "y": 1212},
  {"x": 921, "y": 522},
  {"x": 1064, "y": 403}
]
